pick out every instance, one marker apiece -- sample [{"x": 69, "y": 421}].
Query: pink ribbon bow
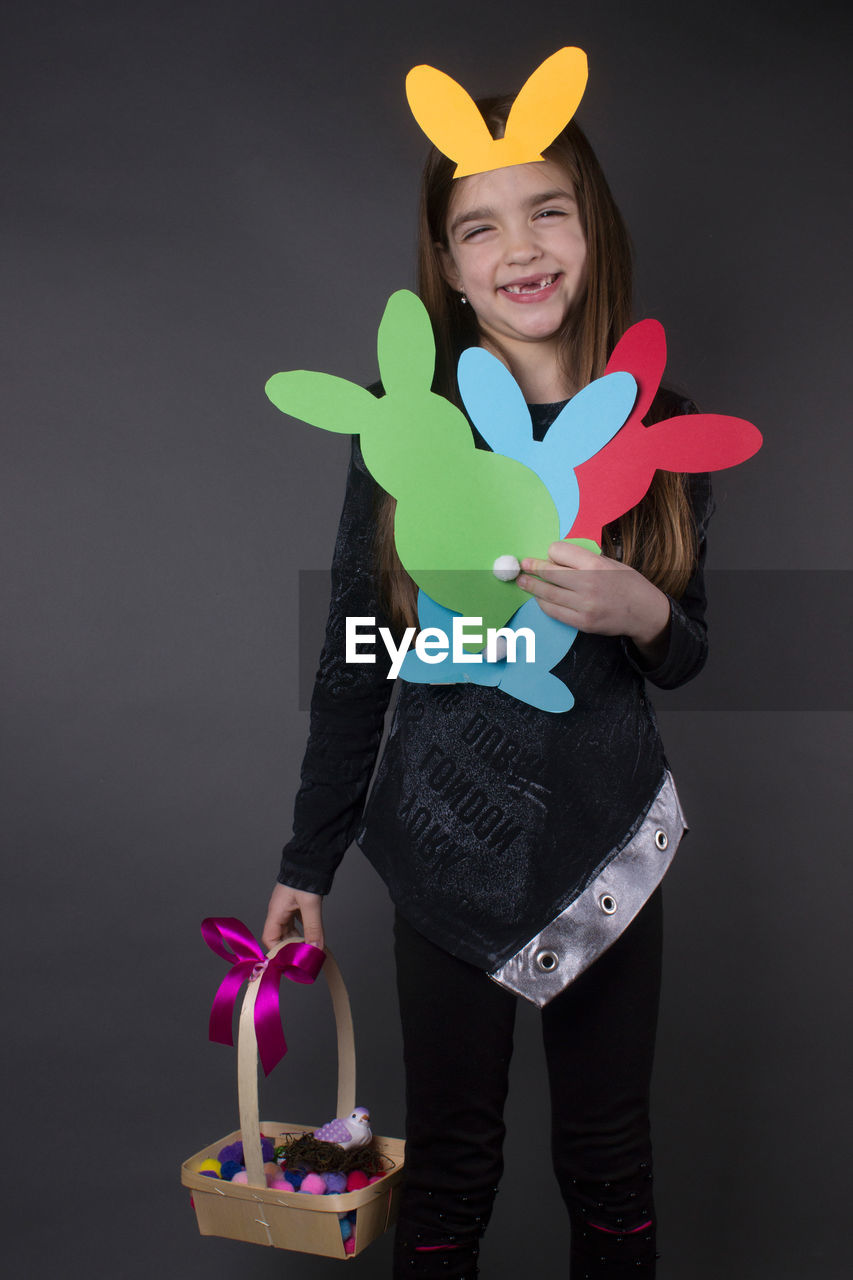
[{"x": 299, "y": 961}]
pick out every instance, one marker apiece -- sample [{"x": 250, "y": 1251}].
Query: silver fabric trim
[{"x": 588, "y": 926}]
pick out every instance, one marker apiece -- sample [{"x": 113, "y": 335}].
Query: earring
[{"x": 463, "y": 299}]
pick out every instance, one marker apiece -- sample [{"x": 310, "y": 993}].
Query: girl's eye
[
  {"x": 475, "y": 231},
  {"x": 551, "y": 213}
]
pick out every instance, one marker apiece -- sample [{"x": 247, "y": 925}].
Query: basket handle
[{"x": 247, "y": 1060}]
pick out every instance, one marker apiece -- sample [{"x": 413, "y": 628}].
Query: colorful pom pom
[
  {"x": 211, "y": 1166},
  {"x": 356, "y": 1180},
  {"x": 336, "y": 1183},
  {"x": 234, "y": 1151},
  {"x": 278, "y": 1183},
  {"x": 241, "y": 1177},
  {"x": 294, "y": 1177},
  {"x": 346, "y": 1229},
  {"x": 228, "y": 1169},
  {"x": 267, "y": 1149},
  {"x": 349, "y": 1245},
  {"x": 376, "y": 1177},
  {"x": 314, "y": 1184}
]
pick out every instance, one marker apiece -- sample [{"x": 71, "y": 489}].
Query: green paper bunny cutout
[{"x": 458, "y": 507}]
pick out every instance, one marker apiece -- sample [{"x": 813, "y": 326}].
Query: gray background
[{"x": 200, "y": 194}]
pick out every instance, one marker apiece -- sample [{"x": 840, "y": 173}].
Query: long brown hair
[{"x": 657, "y": 537}]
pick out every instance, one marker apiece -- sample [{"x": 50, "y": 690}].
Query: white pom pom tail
[{"x": 506, "y": 568}]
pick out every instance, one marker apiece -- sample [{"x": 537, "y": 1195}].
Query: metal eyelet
[
  {"x": 607, "y": 903},
  {"x": 661, "y": 839},
  {"x": 547, "y": 961}
]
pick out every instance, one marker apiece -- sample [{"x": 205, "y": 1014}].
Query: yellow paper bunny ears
[{"x": 545, "y": 105}]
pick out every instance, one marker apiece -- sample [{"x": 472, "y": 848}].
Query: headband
[{"x": 452, "y": 121}]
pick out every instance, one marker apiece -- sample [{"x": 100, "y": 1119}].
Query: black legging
[{"x": 599, "y": 1041}]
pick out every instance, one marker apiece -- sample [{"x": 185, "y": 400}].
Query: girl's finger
[
  {"x": 531, "y": 565},
  {"x": 276, "y": 927},
  {"x": 562, "y": 579},
  {"x": 549, "y": 593},
  {"x": 312, "y": 922},
  {"x": 565, "y": 554}
]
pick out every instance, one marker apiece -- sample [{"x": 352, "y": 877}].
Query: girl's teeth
[{"x": 529, "y": 288}]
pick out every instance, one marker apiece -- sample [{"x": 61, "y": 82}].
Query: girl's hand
[
  {"x": 599, "y": 595},
  {"x": 284, "y": 904}
]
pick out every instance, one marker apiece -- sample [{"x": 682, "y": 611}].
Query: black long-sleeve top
[{"x": 487, "y": 816}]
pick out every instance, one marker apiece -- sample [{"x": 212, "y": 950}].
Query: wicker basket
[{"x": 288, "y": 1219}]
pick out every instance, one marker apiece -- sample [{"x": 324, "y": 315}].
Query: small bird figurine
[{"x": 355, "y": 1131}]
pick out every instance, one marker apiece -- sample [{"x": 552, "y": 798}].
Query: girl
[{"x": 495, "y": 824}]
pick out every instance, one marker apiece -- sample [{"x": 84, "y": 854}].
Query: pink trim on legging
[
  {"x": 432, "y": 1248},
  {"x": 621, "y": 1231}
]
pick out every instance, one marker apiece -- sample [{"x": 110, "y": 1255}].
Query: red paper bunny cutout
[{"x": 617, "y": 477}]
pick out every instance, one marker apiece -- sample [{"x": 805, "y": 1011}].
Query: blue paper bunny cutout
[
  {"x": 497, "y": 408},
  {"x": 529, "y": 682}
]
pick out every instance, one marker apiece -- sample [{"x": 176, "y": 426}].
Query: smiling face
[{"x": 517, "y": 250}]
